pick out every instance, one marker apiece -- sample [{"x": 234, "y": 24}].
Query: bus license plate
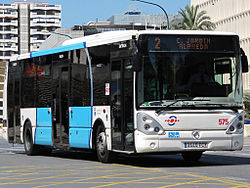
[{"x": 196, "y": 145}]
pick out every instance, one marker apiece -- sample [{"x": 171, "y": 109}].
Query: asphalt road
[{"x": 81, "y": 169}]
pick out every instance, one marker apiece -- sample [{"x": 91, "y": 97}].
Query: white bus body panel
[
  {"x": 103, "y": 113},
  {"x": 28, "y": 114},
  {"x": 208, "y": 123}
]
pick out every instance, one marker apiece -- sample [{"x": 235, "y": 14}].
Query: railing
[
  {"x": 9, "y": 48},
  {"x": 35, "y": 15},
  {"x": 58, "y": 24},
  {"x": 12, "y": 22},
  {"x": 13, "y": 39},
  {"x": 45, "y": 7},
  {"x": 11, "y": 31}
]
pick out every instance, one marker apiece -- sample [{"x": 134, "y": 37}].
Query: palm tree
[{"x": 191, "y": 19}]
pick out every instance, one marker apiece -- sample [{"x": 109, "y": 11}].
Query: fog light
[
  {"x": 231, "y": 128},
  {"x": 236, "y": 144},
  {"x": 144, "y": 118},
  {"x": 147, "y": 126},
  {"x": 157, "y": 129},
  {"x": 239, "y": 126},
  {"x": 152, "y": 145}
]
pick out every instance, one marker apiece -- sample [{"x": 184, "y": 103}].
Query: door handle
[{"x": 71, "y": 113}]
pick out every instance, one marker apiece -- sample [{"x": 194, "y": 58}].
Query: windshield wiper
[
  {"x": 234, "y": 108},
  {"x": 176, "y": 101}
]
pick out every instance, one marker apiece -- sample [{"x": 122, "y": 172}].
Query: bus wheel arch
[
  {"x": 29, "y": 145},
  {"x": 99, "y": 142}
]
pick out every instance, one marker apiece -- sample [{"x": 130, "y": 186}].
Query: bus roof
[
  {"x": 117, "y": 36},
  {"x": 110, "y": 37}
]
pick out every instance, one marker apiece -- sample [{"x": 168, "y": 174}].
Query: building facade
[
  {"x": 24, "y": 26},
  {"x": 138, "y": 19},
  {"x": 232, "y": 16}
]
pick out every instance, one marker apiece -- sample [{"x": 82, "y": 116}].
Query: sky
[{"x": 80, "y": 12}]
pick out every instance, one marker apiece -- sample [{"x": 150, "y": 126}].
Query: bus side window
[
  {"x": 43, "y": 81},
  {"x": 28, "y": 84},
  {"x": 80, "y": 85}
]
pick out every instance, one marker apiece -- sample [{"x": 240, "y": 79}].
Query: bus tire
[
  {"x": 29, "y": 146},
  {"x": 102, "y": 152},
  {"x": 192, "y": 156}
]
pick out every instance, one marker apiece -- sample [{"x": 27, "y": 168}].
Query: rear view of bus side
[{"x": 130, "y": 92}]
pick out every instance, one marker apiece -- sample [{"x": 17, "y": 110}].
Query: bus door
[
  {"x": 122, "y": 105},
  {"x": 13, "y": 104},
  {"x": 60, "y": 106}
]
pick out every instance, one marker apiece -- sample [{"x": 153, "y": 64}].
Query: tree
[
  {"x": 246, "y": 101},
  {"x": 192, "y": 19}
]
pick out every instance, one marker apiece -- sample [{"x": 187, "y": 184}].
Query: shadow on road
[{"x": 158, "y": 161}]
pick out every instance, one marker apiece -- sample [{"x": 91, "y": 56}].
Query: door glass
[
  {"x": 122, "y": 105},
  {"x": 60, "y": 103},
  {"x": 13, "y": 111},
  {"x": 128, "y": 104},
  {"x": 64, "y": 114},
  {"x": 116, "y": 102}
]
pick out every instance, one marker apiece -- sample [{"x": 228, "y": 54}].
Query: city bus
[{"x": 132, "y": 92}]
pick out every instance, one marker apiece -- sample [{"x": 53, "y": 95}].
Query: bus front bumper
[{"x": 179, "y": 141}]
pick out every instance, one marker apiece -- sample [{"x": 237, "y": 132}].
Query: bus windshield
[{"x": 189, "y": 71}]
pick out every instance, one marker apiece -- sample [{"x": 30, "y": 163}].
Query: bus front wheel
[
  {"x": 29, "y": 146},
  {"x": 192, "y": 156},
  {"x": 103, "y": 154}
]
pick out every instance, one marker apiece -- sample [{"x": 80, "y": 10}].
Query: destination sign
[
  {"x": 198, "y": 43},
  {"x": 193, "y": 43}
]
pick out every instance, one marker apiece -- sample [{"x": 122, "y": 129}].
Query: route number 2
[{"x": 158, "y": 42}]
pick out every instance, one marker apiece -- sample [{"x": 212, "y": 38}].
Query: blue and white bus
[{"x": 129, "y": 91}]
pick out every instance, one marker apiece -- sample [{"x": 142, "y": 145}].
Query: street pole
[{"x": 157, "y": 6}]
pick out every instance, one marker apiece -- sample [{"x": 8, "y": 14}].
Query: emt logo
[{"x": 172, "y": 120}]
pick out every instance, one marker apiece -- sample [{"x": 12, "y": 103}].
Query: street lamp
[{"x": 157, "y": 6}]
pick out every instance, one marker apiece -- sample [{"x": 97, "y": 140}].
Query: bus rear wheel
[
  {"x": 29, "y": 146},
  {"x": 192, "y": 156},
  {"x": 102, "y": 152}
]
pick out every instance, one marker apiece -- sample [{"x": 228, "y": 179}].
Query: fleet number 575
[{"x": 223, "y": 122}]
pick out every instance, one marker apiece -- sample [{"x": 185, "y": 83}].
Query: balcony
[
  {"x": 8, "y": 6},
  {"x": 45, "y": 24},
  {"x": 9, "y": 48},
  {"x": 8, "y": 15},
  {"x": 34, "y": 48},
  {"x": 11, "y": 40},
  {"x": 12, "y": 23},
  {"x": 5, "y": 57},
  {"x": 45, "y": 7},
  {"x": 12, "y": 31},
  {"x": 34, "y": 40},
  {"x": 35, "y": 15}
]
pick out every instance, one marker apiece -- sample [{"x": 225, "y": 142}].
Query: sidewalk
[{"x": 247, "y": 130}]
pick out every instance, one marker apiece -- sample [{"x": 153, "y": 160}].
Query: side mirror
[
  {"x": 137, "y": 65},
  {"x": 244, "y": 61}
]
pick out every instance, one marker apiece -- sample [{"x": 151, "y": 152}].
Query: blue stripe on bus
[
  {"x": 58, "y": 49},
  {"x": 80, "y": 123},
  {"x": 43, "y": 134}
]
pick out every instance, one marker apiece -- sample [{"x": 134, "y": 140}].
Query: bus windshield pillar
[{"x": 91, "y": 77}]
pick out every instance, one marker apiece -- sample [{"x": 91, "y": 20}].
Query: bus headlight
[
  {"x": 148, "y": 125},
  {"x": 237, "y": 125}
]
